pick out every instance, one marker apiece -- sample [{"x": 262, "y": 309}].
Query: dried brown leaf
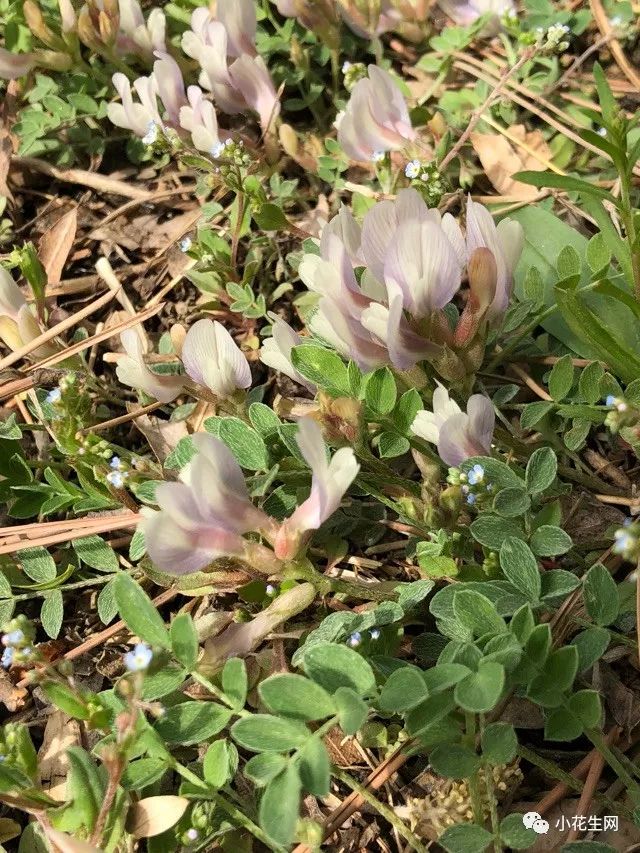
[
  {"x": 55, "y": 245},
  {"x": 60, "y": 733},
  {"x": 66, "y": 844},
  {"x": 154, "y": 815},
  {"x": 501, "y": 160},
  {"x": 163, "y": 436},
  {"x": 11, "y": 697}
]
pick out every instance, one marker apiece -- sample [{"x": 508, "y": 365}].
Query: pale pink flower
[
  {"x": 243, "y": 84},
  {"x": 204, "y": 516},
  {"x": 457, "y": 434},
  {"x": 329, "y": 483},
  {"x": 131, "y": 370},
  {"x": 466, "y": 12},
  {"x": 276, "y": 352},
  {"x": 132, "y": 115},
  {"x": 376, "y": 118},
  {"x": 14, "y": 65},
  {"x": 212, "y": 358},
  {"x": 170, "y": 85},
  {"x": 67, "y": 16},
  {"x": 137, "y": 35},
  {"x": 238, "y": 17},
  {"x": 18, "y": 326},
  {"x": 505, "y": 241},
  {"x": 199, "y": 118}
]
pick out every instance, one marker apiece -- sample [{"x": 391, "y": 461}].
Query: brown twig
[
  {"x": 93, "y": 180},
  {"x": 602, "y": 21},
  {"x": 591, "y": 782}
]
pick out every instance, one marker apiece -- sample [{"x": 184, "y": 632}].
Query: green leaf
[
  {"x": 38, "y": 564},
  {"x": 512, "y": 502},
  {"x": 280, "y": 806},
  {"x": 264, "y": 420},
  {"x": 606, "y": 98},
  {"x": 541, "y": 470},
  {"x": 63, "y": 697},
  {"x": 533, "y": 413},
  {"x": 403, "y": 690},
  {"x": 192, "y": 722},
  {"x": 107, "y": 607},
  {"x": 499, "y": 743},
  {"x": 477, "y": 613},
  {"x": 235, "y": 682},
  {"x": 245, "y": 443},
  {"x": 454, "y": 761},
  {"x": 139, "y": 614},
  {"x": 220, "y": 763},
  {"x": 443, "y": 676},
  {"x": 568, "y": 263},
  {"x": 332, "y": 666},
  {"x": 558, "y": 583},
  {"x": 514, "y": 833},
  {"x": 587, "y": 707},
  {"x": 591, "y": 643},
  {"x": 590, "y": 382},
  {"x": 322, "y": 367},
  {"x": 266, "y": 733},
  {"x": 563, "y": 182},
  {"x": 51, "y": 613},
  {"x": 84, "y": 787},
  {"x": 481, "y": 690},
  {"x": 296, "y": 696},
  {"x": 520, "y": 568},
  {"x": 270, "y": 217},
  {"x": 465, "y": 838},
  {"x": 163, "y": 682},
  {"x": 264, "y": 767},
  {"x": 184, "y": 640},
  {"x": 381, "y": 391},
  {"x": 143, "y": 772},
  {"x": 561, "y": 378},
  {"x": 491, "y": 530},
  {"x": 95, "y": 552},
  {"x": 562, "y": 725},
  {"x": 315, "y": 768},
  {"x": 405, "y": 412},
  {"x": 352, "y": 711},
  {"x": 550, "y": 541},
  {"x": 601, "y": 595},
  {"x": 390, "y": 445},
  {"x": 598, "y": 254}
]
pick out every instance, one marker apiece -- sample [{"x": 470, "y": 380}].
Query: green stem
[
  {"x": 491, "y": 799},
  {"x": 474, "y": 779},
  {"x": 305, "y": 570},
  {"x": 235, "y": 813},
  {"x": 387, "y": 813},
  {"x": 630, "y": 232},
  {"x": 612, "y": 760},
  {"x": 516, "y": 341},
  {"x": 219, "y": 694}
]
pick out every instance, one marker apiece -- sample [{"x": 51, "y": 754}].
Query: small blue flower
[
  {"x": 270, "y": 590},
  {"x": 475, "y": 475},
  {"x": 217, "y": 150},
  {"x": 412, "y": 169},
  {"x": 471, "y": 499},
  {"x": 152, "y": 133},
  {"x": 13, "y": 638},
  {"x": 355, "y": 639},
  {"x": 374, "y": 633},
  {"x": 610, "y": 401},
  {"x": 139, "y": 658},
  {"x": 377, "y": 156},
  {"x": 602, "y": 131},
  {"x": 7, "y": 657},
  {"x": 185, "y": 244},
  {"x": 116, "y": 463},
  {"x": 624, "y": 542},
  {"x": 346, "y": 66},
  {"x": 54, "y": 396},
  {"x": 192, "y": 834},
  {"x": 116, "y": 478}
]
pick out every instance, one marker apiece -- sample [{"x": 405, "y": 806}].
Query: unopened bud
[
  {"x": 288, "y": 139},
  {"x": 483, "y": 277},
  {"x": 340, "y": 418},
  {"x": 36, "y": 23},
  {"x": 108, "y": 28},
  {"x": 53, "y": 59},
  {"x": 86, "y": 30},
  {"x": 68, "y": 16}
]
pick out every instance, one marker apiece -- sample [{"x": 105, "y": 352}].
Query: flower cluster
[
  {"x": 553, "y": 40},
  {"x": 356, "y": 639},
  {"x": 205, "y": 515},
  {"x": 413, "y": 259},
  {"x": 458, "y": 435},
  {"x": 621, "y": 413},
  {"x": 224, "y": 47},
  {"x": 626, "y": 541},
  {"x": 376, "y": 118},
  {"x": 364, "y": 19},
  {"x": 17, "y": 640},
  {"x": 209, "y": 355},
  {"x": 426, "y": 178},
  {"x": 466, "y": 12}
]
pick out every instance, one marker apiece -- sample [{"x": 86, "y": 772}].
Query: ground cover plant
[{"x": 321, "y": 423}]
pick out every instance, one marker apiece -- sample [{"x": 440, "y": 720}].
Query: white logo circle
[{"x": 534, "y": 821}]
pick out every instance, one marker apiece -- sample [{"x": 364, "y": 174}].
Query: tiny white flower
[
  {"x": 185, "y": 244},
  {"x": 476, "y": 475},
  {"x": 139, "y": 658},
  {"x": 54, "y": 395},
  {"x": 116, "y": 478},
  {"x": 374, "y": 633},
  {"x": 355, "y": 639},
  {"x": 192, "y": 834},
  {"x": 152, "y": 133},
  {"x": 377, "y": 156},
  {"x": 13, "y": 638},
  {"x": 218, "y": 150},
  {"x": 346, "y": 66},
  {"x": 412, "y": 169},
  {"x": 116, "y": 463},
  {"x": 616, "y": 21},
  {"x": 602, "y": 131}
]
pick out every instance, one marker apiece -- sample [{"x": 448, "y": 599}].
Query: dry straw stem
[
  {"x": 606, "y": 29},
  {"x": 44, "y": 538},
  {"x": 93, "y": 180}
]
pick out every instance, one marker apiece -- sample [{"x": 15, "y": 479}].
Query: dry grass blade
[
  {"x": 605, "y": 28},
  {"x": 55, "y": 245},
  {"x": 55, "y": 538},
  {"x": 92, "y": 180}
]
